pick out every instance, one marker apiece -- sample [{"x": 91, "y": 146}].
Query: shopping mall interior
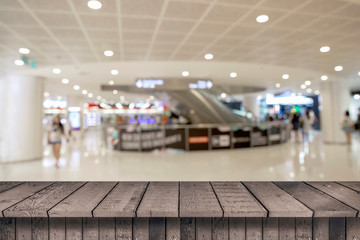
[{"x": 179, "y": 90}]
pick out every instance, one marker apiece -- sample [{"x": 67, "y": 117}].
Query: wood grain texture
[
  {"x": 7, "y": 185},
  {"x": 122, "y": 201},
  {"x": 286, "y": 228},
  {"x": 270, "y": 228},
  {"x": 123, "y": 228},
  {"x": 237, "y": 229},
  {"x": 277, "y": 201},
  {"x": 73, "y": 228},
  {"x": 337, "y": 228},
  {"x": 220, "y": 230},
  {"x": 160, "y": 200},
  {"x": 57, "y": 228},
  {"x": 157, "y": 228},
  {"x": 320, "y": 228},
  {"x": 83, "y": 201},
  {"x": 172, "y": 228},
  {"x": 40, "y": 228},
  {"x": 7, "y": 228},
  {"x": 23, "y": 228},
  {"x": 141, "y": 228},
  {"x": 319, "y": 202},
  {"x": 187, "y": 229},
  {"x": 352, "y": 228},
  {"x": 107, "y": 228},
  {"x": 38, "y": 204},
  {"x": 254, "y": 228},
  {"x": 90, "y": 228},
  {"x": 203, "y": 228},
  {"x": 20, "y": 192},
  {"x": 303, "y": 228},
  {"x": 353, "y": 185},
  {"x": 339, "y": 192},
  {"x": 197, "y": 199},
  {"x": 236, "y": 200}
]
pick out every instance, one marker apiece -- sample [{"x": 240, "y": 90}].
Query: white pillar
[
  {"x": 250, "y": 103},
  {"x": 21, "y": 128},
  {"x": 335, "y": 100}
]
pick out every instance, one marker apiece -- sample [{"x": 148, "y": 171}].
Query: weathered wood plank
[
  {"x": 220, "y": 230},
  {"x": 319, "y": 202},
  {"x": 123, "y": 228},
  {"x": 40, "y": 228},
  {"x": 157, "y": 228},
  {"x": 339, "y": 192},
  {"x": 352, "y": 228},
  {"x": 122, "y": 201},
  {"x": 83, "y": 201},
  {"x": 337, "y": 228},
  {"x": 57, "y": 228},
  {"x": 7, "y": 228},
  {"x": 236, "y": 200},
  {"x": 90, "y": 228},
  {"x": 7, "y": 185},
  {"x": 286, "y": 228},
  {"x": 320, "y": 228},
  {"x": 73, "y": 228},
  {"x": 141, "y": 228},
  {"x": 270, "y": 228},
  {"x": 353, "y": 185},
  {"x": 20, "y": 192},
  {"x": 107, "y": 228},
  {"x": 277, "y": 201},
  {"x": 237, "y": 229},
  {"x": 187, "y": 229},
  {"x": 172, "y": 229},
  {"x": 38, "y": 204},
  {"x": 23, "y": 228},
  {"x": 197, "y": 199},
  {"x": 303, "y": 228},
  {"x": 160, "y": 200},
  {"x": 203, "y": 228},
  {"x": 254, "y": 228}
]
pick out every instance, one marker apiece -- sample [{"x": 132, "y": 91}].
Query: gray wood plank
[
  {"x": 352, "y": 228},
  {"x": 20, "y": 192},
  {"x": 8, "y": 185},
  {"x": 220, "y": 228},
  {"x": 7, "y": 228},
  {"x": 122, "y": 201},
  {"x": 353, "y": 185},
  {"x": 161, "y": 199},
  {"x": 277, "y": 201},
  {"x": 197, "y": 199},
  {"x": 337, "y": 228},
  {"x": 187, "y": 229},
  {"x": 123, "y": 228},
  {"x": 23, "y": 228},
  {"x": 254, "y": 228},
  {"x": 83, "y": 201},
  {"x": 339, "y": 192},
  {"x": 203, "y": 228},
  {"x": 141, "y": 228},
  {"x": 303, "y": 228},
  {"x": 90, "y": 228},
  {"x": 157, "y": 228},
  {"x": 286, "y": 228},
  {"x": 38, "y": 204},
  {"x": 270, "y": 228},
  {"x": 236, "y": 200},
  {"x": 73, "y": 228},
  {"x": 172, "y": 228},
  {"x": 320, "y": 228},
  {"x": 106, "y": 228},
  {"x": 57, "y": 228},
  {"x": 319, "y": 202},
  {"x": 237, "y": 229},
  {"x": 40, "y": 228}
]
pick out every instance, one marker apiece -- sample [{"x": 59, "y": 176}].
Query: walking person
[
  {"x": 307, "y": 122},
  {"x": 296, "y": 125},
  {"x": 347, "y": 127},
  {"x": 55, "y": 133}
]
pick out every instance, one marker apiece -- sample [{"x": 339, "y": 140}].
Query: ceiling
[{"x": 69, "y": 34}]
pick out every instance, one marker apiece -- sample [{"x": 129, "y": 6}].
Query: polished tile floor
[{"x": 88, "y": 159}]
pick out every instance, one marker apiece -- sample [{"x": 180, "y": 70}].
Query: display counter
[{"x": 195, "y": 137}]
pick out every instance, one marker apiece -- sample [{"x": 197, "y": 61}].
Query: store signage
[
  {"x": 149, "y": 83},
  {"x": 198, "y": 139},
  {"x": 195, "y": 140},
  {"x": 220, "y": 137},
  {"x": 259, "y": 137},
  {"x": 201, "y": 84},
  {"x": 175, "y": 138},
  {"x": 241, "y": 137},
  {"x": 152, "y": 139},
  {"x": 130, "y": 141}
]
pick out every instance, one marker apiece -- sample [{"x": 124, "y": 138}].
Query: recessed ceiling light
[
  {"x": 114, "y": 72},
  {"x": 90, "y": 95},
  {"x": 285, "y": 76},
  {"x": 324, "y": 77},
  {"x": 98, "y": 98},
  {"x": 309, "y": 90},
  {"x": 46, "y": 94},
  {"x": 317, "y": 92},
  {"x": 325, "y": 49},
  {"x": 24, "y": 50},
  {"x": 338, "y": 68},
  {"x": 262, "y": 18},
  {"x": 56, "y": 70},
  {"x": 76, "y": 87},
  {"x": 278, "y": 85},
  {"x": 356, "y": 96},
  {"x": 223, "y": 95},
  {"x": 303, "y": 86},
  {"x": 122, "y": 98},
  {"x": 111, "y": 82},
  {"x": 19, "y": 62},
  {"x": 115, "y": 91},
  {"x": 84, "y": 91},
  {"x": 308, "y": 83},
  {"x": 108, "y": 53},
  {"x": 359, "y": 73},
  {"x": 208, "y": 56},
  {"x": 94, "y": 4},
  {"x": 65, "y": 81},
  {"x": 233, "y": 74},
  {"x": 185, "y": 73}
]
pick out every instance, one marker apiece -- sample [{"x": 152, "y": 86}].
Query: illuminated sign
[
  {"x": 149, "y": 83},
  {"x": 201, "y": 84}
]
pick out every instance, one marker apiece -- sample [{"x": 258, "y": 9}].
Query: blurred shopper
[
  {"x": 55, "y": 133},
  {"x": 296, "y": 125},
  {"x": 307, "y": 122},
  {"x": 347, "y": 127}
]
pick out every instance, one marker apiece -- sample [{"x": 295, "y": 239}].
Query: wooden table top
[{"x": 180, "y": 199}]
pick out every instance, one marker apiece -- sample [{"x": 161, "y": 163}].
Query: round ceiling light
[
  {"x": 223, "y": 95},
  {"x": 56, "y": 70},
  {"x": 46, "y": 94},
  {"x": 185, "y": 73},
  {"x": 115, "y": 92},
  {"x": 233, "y": 75},
  {"x": 303, "y": 86},
  {"x": 111, "y": 82},
  {"x": 90, "y": 95},
  {"x": 24, "y": 50},
  {"x": 19, "y": 62},
  {"x": 324, "y": 77},
  {"x": 338, "y": 68},
  {"x": 84, "y": 91},
  {"x": 277, "y": 85},
  {"x": 309, "y": 90},
  {"x": 108, "y": 53},
  {"x": 76, "y": 87},
  {"x": 359, "y": 73},
  {"x": 325, "y": 49},
  {"x": 208, "y": 56},
  {"x": 65, "y": 81},
  {"x": 94, "y": 4},
  {"x": 356, "y": 96},
  {"x": 285, "y": 76},
  {"x": 262, "y": 18},
  {"x": 98, "y": 98},
  {"x": 308, "y": 83},
  {"x": 317, "y": 92},
  {"x": 114, "y": 72}
]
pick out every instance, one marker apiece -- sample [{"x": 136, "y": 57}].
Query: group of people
[{"x": 304, "y": 122}]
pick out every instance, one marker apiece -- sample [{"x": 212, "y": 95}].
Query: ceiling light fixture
[
  {"x": 317, "y": 92},
  {"x": 357, "y": 97},
  {"x": 24, "y": 50},
  {"x": 46, "y": 94},
  {"x": 359, "y": 73},
  {"x": 308, "y": 83},
  {"x": 285, "y": 76},
  {"x": 111, "y": 82},
  {"x": 185, "y": 73},
  {"x": 223, "y": 95},
  {"x": 324, "y": 77},
  {"x": 56, "y": 70},
  {"x": 303, "y": 86},
  {"x": 277, "y": 85},
  {"x": 338, "y": 68},
  {"x": 115, "y": 92},
  {"x": 90, "y": 95},
  {"x": 94, "y": 4},
  {"x": 233, "y": 75},
  {"x": 208, "y": 56},
  {"x": 108, "y": 53},
  {"x": 309, "y": 90},
  {"x": 114, "y": 72},
  {"x": 65, "y": 81},
  {"x": 84, "y": 91},
  {"x": 19, "y": 62},
  {"x": 76, "y": 87},
  {"x": 262, "y": 18},
  {"x": 325, "y": 49}
]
